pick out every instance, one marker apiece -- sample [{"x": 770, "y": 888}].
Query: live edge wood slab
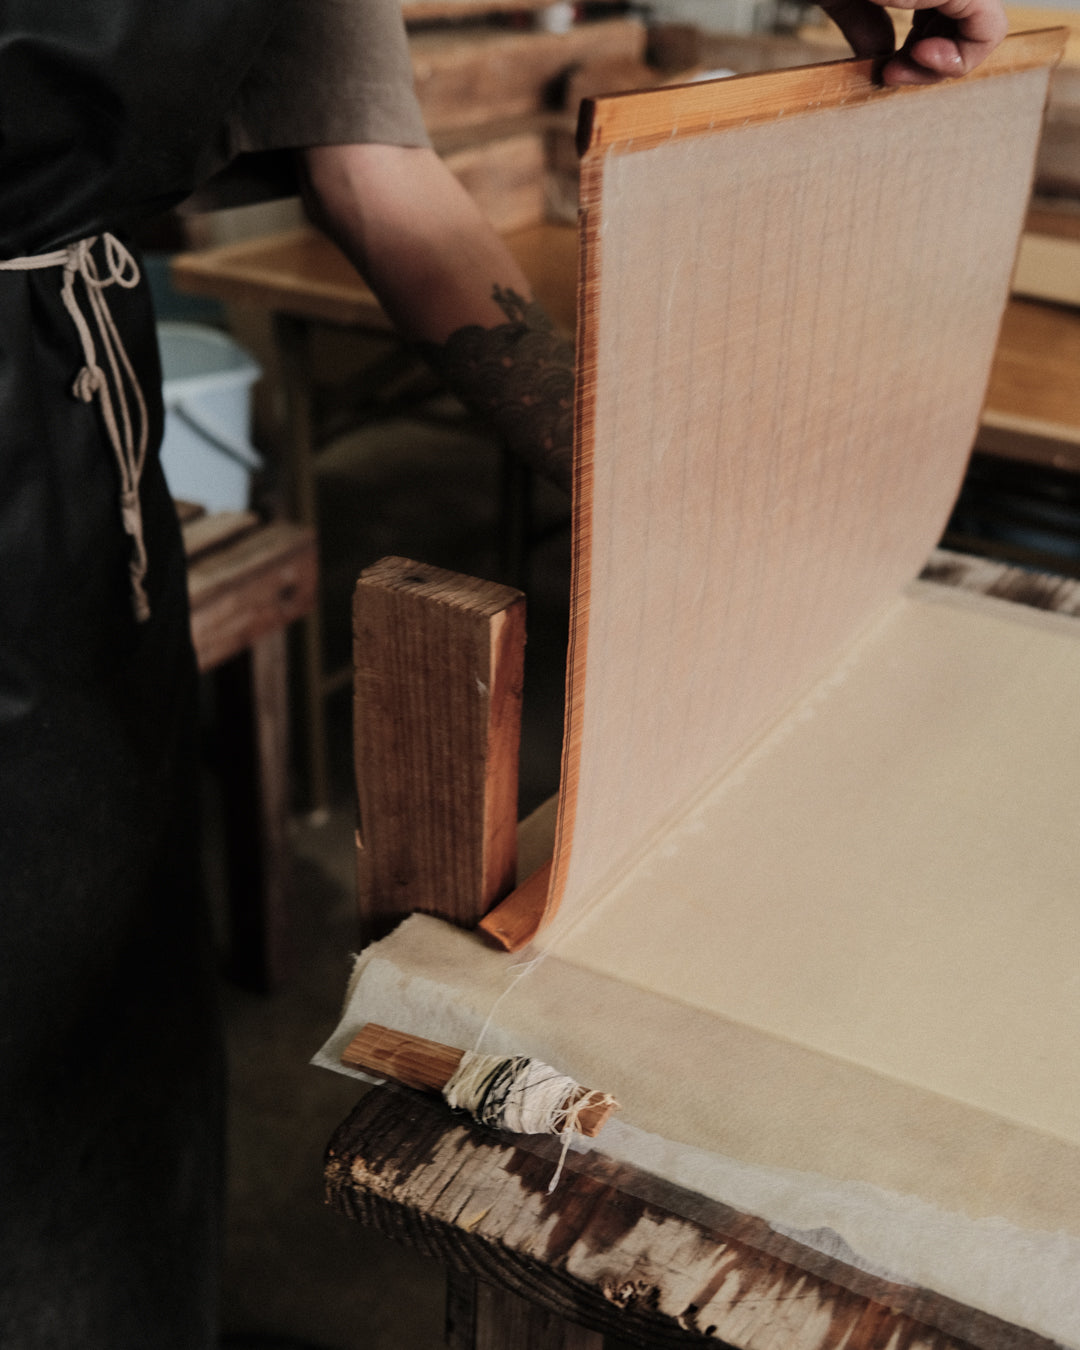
[{"x": 608, "y": 1249}]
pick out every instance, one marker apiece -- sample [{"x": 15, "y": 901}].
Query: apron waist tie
[{"x": 129, "y": 445}]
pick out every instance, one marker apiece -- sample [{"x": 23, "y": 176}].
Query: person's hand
[{"x": 948, "y": 39}]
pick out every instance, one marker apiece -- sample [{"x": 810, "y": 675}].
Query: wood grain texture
[
  {"x": 410, "y": 1060},
  {"x": 439, "y": 667},
  {"x": 609, "y": 1249},
  {"x": 255, "y": 585},
  {"x": 649, "y": 118},
  {"x": 772, "y": 424}
]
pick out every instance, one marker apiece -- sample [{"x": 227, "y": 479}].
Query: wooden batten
[
  {"x": 513, "y": 923},
  {"x": 636, "y": 121},
  {"x": 439, "y": 664},
  {"x": 410, "y": 1060}
]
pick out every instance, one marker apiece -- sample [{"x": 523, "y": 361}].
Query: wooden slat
[
  {"x": 655, "y": 116},
  {"x": 253, "y": 586},
  {"x": 1048, "y": 268},
  {"x": 412, "y": 1061},
  {"x": 1034, "y": 392},
  {"x": 439, "y": 664},
  {"x": 204, "y": 533},
  {"x": 469, "y": 76},
  {"x": 1022, "y": 18},
  {"x": 513, "y": 924},
  {"x": 300, "y": 272}
]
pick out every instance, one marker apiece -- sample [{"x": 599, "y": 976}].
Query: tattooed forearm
[{"x": 519, "y": 376}]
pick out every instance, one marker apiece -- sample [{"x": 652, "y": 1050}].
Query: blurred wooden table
[
  {"x": 1033, "y": 403},
  {"x": 306, "y": 285}
]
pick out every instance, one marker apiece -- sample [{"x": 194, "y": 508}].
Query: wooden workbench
[{"x": 613, "y": 1250}]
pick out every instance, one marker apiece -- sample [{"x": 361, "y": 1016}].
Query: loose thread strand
[{"x": 524, "y": 1096}]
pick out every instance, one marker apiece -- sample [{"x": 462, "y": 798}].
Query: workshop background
[{"x": 416, "y": 477}]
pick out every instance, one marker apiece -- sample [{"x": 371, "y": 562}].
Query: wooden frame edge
[{"x": 638, "y": 120}]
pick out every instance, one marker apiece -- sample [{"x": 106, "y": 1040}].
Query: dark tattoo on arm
[{"x": 519, "y": 376}]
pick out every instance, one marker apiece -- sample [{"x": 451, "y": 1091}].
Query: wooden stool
[{"x": 246, "y": 583}]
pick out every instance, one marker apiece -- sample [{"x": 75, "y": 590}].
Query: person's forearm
[{"x": 449, "y": 283}]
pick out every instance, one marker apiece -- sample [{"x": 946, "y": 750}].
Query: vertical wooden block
[{"x": 439, "y": 664}]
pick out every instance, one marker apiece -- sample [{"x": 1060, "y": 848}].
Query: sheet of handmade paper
[
  {"x": 788, "y": 335},
  {"x": 892, "y": 876},
  {"x": 844, "y": 993}
]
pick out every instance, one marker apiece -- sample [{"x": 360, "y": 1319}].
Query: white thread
[
  {"x": 92, "y": 381},
  {"x": 521, "y": 969},
  {"x": 524, "y": 1096}
]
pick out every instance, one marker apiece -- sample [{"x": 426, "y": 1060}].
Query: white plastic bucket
[{"x": 206, "y": 383}]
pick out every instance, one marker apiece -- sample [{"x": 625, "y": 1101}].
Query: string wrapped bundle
[{"x": 515, "y": 1093}]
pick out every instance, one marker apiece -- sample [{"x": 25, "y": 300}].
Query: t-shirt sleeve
[{"x": 332, "y": 72}]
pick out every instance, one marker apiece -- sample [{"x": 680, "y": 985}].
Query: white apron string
[{"x": 129, "y": 445}]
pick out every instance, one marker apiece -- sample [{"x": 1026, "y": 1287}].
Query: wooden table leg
[{"x": 481, "y": 1317}]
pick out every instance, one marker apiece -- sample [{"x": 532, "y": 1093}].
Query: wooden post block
[{"x": 439, "y": 663}]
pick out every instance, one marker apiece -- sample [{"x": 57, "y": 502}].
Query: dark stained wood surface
[{"x": 610, "y": 1249}]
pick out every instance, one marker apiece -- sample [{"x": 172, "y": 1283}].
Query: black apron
[{"x": 110, "y": 1071}]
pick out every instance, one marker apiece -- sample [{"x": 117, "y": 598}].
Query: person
[{"x": 110, "y": 112}]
